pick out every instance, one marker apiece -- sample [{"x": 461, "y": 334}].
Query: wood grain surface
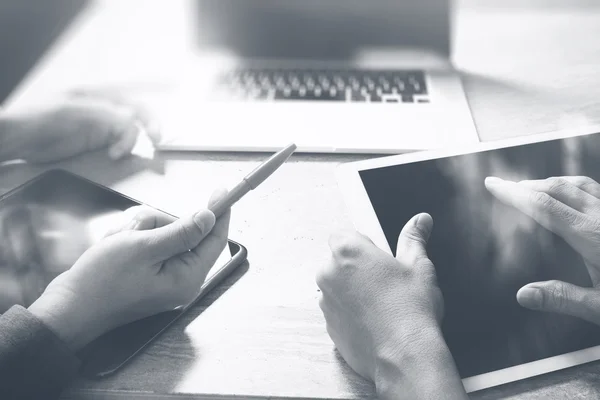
[{"x": 526, "y": 69}]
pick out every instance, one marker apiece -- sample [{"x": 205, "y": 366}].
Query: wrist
[
  {"x": 420, "y": 366},
  {"x": 62, "y": 317}
]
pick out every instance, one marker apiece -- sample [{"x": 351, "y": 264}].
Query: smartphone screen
[{"x": 47, "y": 224}]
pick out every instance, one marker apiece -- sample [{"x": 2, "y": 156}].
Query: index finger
[
  {"x": 141, "y": 218},
  {"x": 543, "y": 208},
  {"x": 350, "y": 244},
  {"x": 149, "y": 218}
]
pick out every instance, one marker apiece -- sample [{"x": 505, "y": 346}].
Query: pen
[{"x": 253, "y": 179}]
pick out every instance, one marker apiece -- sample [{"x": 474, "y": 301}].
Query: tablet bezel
[{"x": 366, "y": 222}]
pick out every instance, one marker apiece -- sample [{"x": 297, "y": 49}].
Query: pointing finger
[
  {"x": 567, "y": 192},
  {"x": 543, "y": 208},
  {"x": 586, "y": 184}
]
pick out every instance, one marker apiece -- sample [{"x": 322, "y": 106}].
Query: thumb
[
  {"x": 180, "y": 236},
  {"x": 561, "y": 297},
  {"x": 413, "y": 239}
]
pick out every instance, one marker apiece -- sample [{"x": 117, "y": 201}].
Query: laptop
[{"x": 348, "y": 76}]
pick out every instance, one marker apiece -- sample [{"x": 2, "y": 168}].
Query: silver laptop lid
[{"x": 322, "y": 29}]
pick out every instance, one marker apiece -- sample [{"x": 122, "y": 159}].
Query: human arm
[
  {"x": 34, "y": 362},
  {"x": 424, "y": 371},
  {"x": 384, "y": 314}
]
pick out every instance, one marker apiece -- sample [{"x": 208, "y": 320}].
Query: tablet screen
[
  {"x": 47, "y": 224},
  {"x": 484, "y": 251}
]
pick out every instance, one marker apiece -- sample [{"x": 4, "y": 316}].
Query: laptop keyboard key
[
  {"x": 358, "y": 96},
  {"x": 310, "y": 96},
  {"x": 327, "y": 85}
]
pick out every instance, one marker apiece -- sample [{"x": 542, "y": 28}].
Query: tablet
[
  {"x": 47, "y": 223},
  {"x": 484, "y": 251}
]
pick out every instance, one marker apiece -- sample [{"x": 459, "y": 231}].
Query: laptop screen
[{"x": 322, "y": 29}]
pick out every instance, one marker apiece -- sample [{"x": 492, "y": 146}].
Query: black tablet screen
[{"x": 484, "y": 251}]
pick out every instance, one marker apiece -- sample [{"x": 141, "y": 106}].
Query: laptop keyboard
[{"x": 375, "y": 86}]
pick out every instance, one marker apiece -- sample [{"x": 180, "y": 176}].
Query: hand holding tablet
[
  {"x": 486, "y": 247},
  {"x": 144, "y": 272},
  {"x": 385, "y": 313},
  {"x": 569, "y": 206}
]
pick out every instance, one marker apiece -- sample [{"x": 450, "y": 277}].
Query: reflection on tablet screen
[{"x": 484, "y": 251}]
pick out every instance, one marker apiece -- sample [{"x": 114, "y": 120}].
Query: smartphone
[{"x": 45, "y": 226}]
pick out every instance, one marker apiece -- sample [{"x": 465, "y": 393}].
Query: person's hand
[
  {"x": 148, "y": 266},
  {"x": 569, "y": 207},
  {"x": 384, "y": 314},
  {"x": 77, "y": 124}
]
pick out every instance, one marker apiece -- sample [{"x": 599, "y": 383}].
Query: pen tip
[{"x": 289, "y": 149}]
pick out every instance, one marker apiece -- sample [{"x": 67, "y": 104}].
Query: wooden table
[{"x": 261, "y": 335}]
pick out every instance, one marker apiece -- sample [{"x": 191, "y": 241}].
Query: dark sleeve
[{"x": 34, "y": 362}]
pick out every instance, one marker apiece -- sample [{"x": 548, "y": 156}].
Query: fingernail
[
  {"x": 530, "y": 297},
  {"x": 425, "y": 223},
  {"x": 205, "y": 220},
  {"x": 493, "y": 180}
]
